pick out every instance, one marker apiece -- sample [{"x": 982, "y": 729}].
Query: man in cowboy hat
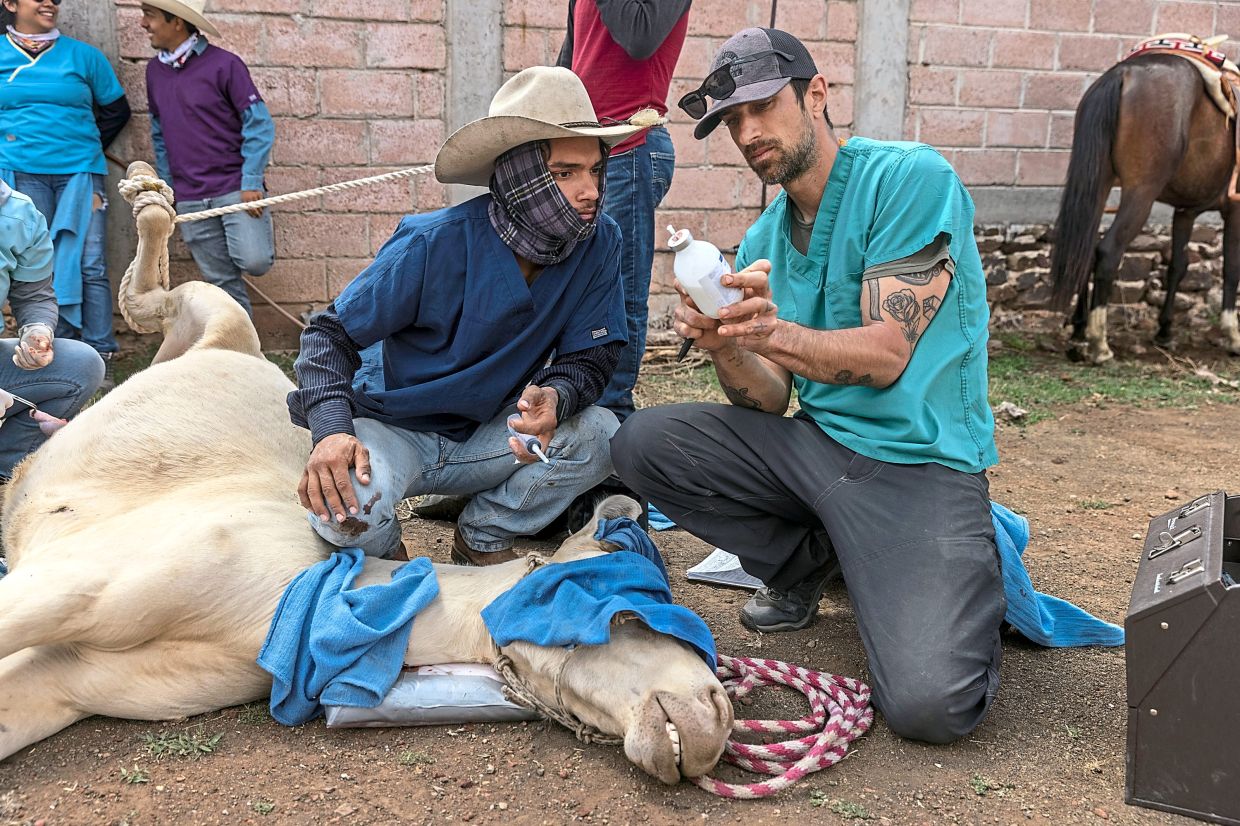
[
  {"x": 508, "y": 306},
  {"x": 864, "y": 290},
  {"x": 213, "y": 136}
]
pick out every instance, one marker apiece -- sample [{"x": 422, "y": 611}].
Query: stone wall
[{"x": 1016, "y": 259}]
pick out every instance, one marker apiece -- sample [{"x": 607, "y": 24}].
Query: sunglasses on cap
[{"x": 720, "y": 84}]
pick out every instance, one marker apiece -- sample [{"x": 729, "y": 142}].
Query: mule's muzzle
[{"x": 680, "y": 735}]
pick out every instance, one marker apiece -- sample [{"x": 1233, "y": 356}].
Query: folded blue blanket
[
  {"x": 573, "y": 603},
  {"x": 333, "y": 644},
  {"x": 1043, "y": 619}
]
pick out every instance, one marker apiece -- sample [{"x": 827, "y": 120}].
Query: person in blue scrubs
[
  {"x": 864, "y": 291},
  {"x": 61, "y": 105},
  {"x": 509, "y": 306}
]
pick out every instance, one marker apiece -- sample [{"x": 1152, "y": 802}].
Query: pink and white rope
[{"x": 840, "y": 712}]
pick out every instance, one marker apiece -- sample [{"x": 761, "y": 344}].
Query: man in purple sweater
[{"x": 212, "y": 135}]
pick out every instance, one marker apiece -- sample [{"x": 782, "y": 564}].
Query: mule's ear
[{"x": 616, "y": 506}]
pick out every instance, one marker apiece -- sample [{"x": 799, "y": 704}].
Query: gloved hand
[
  {"x": 34, "y": 347},
  {"x": 6, "y": 401}
]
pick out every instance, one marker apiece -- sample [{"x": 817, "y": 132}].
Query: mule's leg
[
  {"x": 33, "y": 701},
  {"x": 1231, "y": 276},
  {"x": 1134, "y": 208},
  {"x": 1181, "y": 231},
  {"x": 42, "y": 604}
]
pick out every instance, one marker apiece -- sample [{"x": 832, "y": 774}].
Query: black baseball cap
[{"x": 786, "y": 58}]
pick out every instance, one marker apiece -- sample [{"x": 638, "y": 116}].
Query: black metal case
[{"x": 1183, "y": 663}]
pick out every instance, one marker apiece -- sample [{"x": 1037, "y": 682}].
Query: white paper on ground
[{"x": 723, "y": 568}]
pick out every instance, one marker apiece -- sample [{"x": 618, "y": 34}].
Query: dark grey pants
[{"x": 915, "y": 542}]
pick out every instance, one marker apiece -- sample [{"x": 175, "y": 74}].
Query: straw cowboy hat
[
  {"x": 540, "y": 103},
  {"x": 190, "y": 11}
]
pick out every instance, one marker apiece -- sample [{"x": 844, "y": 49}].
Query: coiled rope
[{"x": 840, "y": 712}]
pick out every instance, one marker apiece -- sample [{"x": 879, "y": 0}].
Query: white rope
[{"x": 306, "y": 193}]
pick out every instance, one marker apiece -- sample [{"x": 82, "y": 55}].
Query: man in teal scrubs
[{"x": 863, "y": 291}]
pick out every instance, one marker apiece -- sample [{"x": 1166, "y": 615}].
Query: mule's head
[{"x": 653, "y": 690}]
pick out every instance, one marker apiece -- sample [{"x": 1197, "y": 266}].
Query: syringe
[{"x": 530, "y": 443}]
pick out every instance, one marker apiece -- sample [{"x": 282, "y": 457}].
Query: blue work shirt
[
  {"x": 461, "y": 332},
  {"x": 47, "y": 107},
  {"x": 885, "y": 201}
]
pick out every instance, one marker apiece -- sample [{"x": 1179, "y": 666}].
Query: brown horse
[{"x": 1149, "y": 125}]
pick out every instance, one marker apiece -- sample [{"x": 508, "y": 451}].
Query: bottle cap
[{"x": 680, "y": 239}]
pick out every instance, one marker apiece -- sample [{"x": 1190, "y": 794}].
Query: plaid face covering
[{"x": 530, "y": 213}]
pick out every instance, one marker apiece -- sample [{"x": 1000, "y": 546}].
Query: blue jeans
[
  {"x": 44, "y": 191},
  {"x": 61, "y": 388},
  {"x": 637, "y": 180},
  {"x": 230, "y": 246},
  {"x": 508, "y": 499}
]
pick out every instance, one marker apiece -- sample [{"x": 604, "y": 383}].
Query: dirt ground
[{"x": 1052, "y": 750}]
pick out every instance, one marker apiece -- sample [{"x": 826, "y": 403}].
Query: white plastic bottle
[{"x": 698, "y": 266}]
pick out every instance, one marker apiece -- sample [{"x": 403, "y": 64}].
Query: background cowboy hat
[
  {"x": 190, "y": 11},
  {"x": 540, "y": 103}
]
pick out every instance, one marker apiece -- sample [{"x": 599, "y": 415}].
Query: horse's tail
[
  {"x": 194, "y": 315},
  {"x": 1089, "y": 172}
]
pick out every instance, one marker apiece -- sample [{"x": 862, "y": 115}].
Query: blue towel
[
  {"x": 658, "y": 520},
  {"x": 3, "y": 568},
  {"x": 629, "y": 536},
  {"x": 333, "y": 644},
  {"x": 68, "y": 229},
  {"x": 573, "y": 603},
  {"x": 1043, "y": 619}
]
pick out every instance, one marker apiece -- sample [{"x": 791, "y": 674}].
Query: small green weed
[
  {"x": 984, "y": 785},
  {"x": 134, "y": 776},
  {"x": 263, "y": 807},
  {"x": 1094, "y": 504},
  {"x": 253, "y": 714},
  {"x": 1074, "y": 732},
  {"x": 190, "y": 744},
  {"x": 415, "y": 758},
  {"x": 843, "y": 808}
]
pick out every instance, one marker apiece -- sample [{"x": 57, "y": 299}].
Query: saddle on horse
[{"x": 1220, "y": 74}]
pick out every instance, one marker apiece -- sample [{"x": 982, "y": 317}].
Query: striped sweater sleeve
[
  {"x": 325, "y": 366},
  {"x": 580, "y": 378}
]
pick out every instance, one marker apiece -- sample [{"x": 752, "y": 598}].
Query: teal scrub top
[
  {"x": 885, "y": 201},
  {"x": 25, "y": 245},
  {"x": 47, "y": 107}
]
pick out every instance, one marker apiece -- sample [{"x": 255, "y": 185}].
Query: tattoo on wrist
[
  {"x": 740, "y": 397},
  {"x": 848, "y": 377}
]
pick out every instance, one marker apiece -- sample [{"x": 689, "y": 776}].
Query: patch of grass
[
  {"x": 134, "y": 776},
  {"x": 253, "y": 714},
  {"x": 1039, "y": 382},
  {"x": 284, "y": 360},
  {"x": 1094, "y": 504},
  {"x": 190, "y": 744},
  {"x": 1074, "y": 732},
  {"x": 667, "y": 383},
  {"x": 263, "y": 807},
  {"x": 843, "y": 808},
  {"x": 983, "y": 786},
  {"x": 415, "y": 758}
]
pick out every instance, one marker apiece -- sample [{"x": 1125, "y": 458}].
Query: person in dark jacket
[{"x": 506, "y": 307}]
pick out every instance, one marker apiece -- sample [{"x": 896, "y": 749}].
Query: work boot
[
  {"x": 462, "y": 554},
  {"x": 439, "y": 507},
  {"x": 109, "y": 372},
  {"x": 772, "y": 609}
]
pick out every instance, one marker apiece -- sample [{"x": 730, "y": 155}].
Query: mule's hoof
[{"x": 1076, "y": 352}]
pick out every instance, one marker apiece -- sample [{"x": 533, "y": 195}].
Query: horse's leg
[
  {"x": 1134, "y": 208},
  {"x": 1231, "y": 276},
  {"x": 33, "y": 702},
  {"x": 1181, "y": 231},
  {"x": 1077, "y": 347}
]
